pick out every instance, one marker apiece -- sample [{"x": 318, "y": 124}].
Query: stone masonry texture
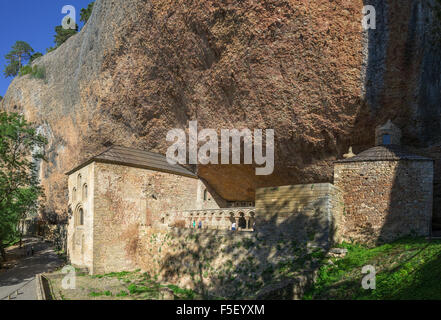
[
  {"x": 385, "y": 200},
  {"x": 309, "y": 212},
  {"x": 126, "y": 199}
]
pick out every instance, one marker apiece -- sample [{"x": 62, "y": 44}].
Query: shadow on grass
[{"x": 405, "y": 269}]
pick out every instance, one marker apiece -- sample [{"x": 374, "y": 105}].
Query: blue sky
[{"x": 32, "y": 21}]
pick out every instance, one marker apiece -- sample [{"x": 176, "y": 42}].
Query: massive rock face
[{"x": 303, "y": 68}]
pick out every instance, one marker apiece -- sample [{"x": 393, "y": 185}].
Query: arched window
[
  {"x": 74, "y": 194},
  {"x": 81, "y": 217},
  {"x": 85, "y": 192},
  {"x": 242, "y": 221},
  {"x": 79, "y": 180},
  {"x": 205, "y": 195}
]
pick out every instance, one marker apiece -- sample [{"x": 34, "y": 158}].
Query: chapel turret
[{"x": 387, "y": 134}]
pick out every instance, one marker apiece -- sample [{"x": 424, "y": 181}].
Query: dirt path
[{"x": 18, "y": 283}]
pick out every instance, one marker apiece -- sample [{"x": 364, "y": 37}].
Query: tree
[
  {"x": 61, "y": 34},
  {"x": 21, "y": 148},
  {"x": 85, "y": 13},
  {"x": 17, "y": 57},
  {"x": 35, "y": 56},
  {"x": 50, "y": 49}
]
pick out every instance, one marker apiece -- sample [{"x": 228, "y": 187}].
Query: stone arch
[
  {"x": 252, "y": 220},
  {"x": 232, "y": 218},
  {"x": 79, "y": 178},
  {"x": 242, "y": 221},
  {"x": 192, "y": 219},
  {"x": 79, "y": 216}
]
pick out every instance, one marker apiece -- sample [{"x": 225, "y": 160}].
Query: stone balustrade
[{"x": 216, "y": 219}]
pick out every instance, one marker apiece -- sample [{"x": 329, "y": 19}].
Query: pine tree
[
  {"x": 20, "y": 54},
  {"x": 86, "y": 12}
]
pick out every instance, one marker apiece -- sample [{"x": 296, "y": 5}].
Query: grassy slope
[
  {"x": 115, "y": 286},
  {"x": 405, "y": 269}
]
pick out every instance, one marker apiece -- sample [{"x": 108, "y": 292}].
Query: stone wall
[
  {"x": 294, "y": 226},
  {"x": 302, "y": 212},
  {"x": 385, "y": 200},
  {"x": 129, "y": 234},
  {"x": 227, "y": 264},
  {"x": 126, "y": 199},
  {"x": 80, "y": 237}
]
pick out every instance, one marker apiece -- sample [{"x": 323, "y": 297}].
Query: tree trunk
[
  {"x": 21, "y": 234},
  {"x": 3, "y": 252}
]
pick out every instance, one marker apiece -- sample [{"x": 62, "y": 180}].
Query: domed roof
[{"x": 385, "y": 153}]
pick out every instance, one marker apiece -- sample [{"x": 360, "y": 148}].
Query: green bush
[
  {"x": 99, "y": 294},
  {"x": 122, "y": 294},
  {"x": 25, "y": 70},
  {"x": 36, "y": 72},
  {"x": 50, "y": 49}
]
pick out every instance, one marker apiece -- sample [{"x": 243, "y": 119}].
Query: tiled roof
[
  {"x": 136, "y": 158},
  {"x": 385, "y": 153}
]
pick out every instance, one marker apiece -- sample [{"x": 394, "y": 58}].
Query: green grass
[
  {"x": 36, "y": 72},
  {"x": 118, "y": 275},
  {"x": 122, "y": 294},
  {"x": 184, "y": 294},
  {"x": 137, "y": 285},
  {"x": 12, "y": 242},
  {"x": 152, "y": 290},
  {"x": 99, "y": 294},
  {"x": 406, "y": 269}
]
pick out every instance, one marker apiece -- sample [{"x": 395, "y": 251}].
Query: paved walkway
[{"x": 21, "y": 278}]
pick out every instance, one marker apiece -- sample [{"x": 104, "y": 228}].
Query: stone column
[
  {"x": 247, "y": 219},
  {"x": 237, "y": 223}
]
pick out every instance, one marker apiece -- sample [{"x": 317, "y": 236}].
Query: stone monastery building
[{"x": 379, "y": 195}]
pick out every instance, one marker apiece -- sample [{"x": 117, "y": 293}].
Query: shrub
[
  {"x": 99, "y": 294},
  {"x": 122, "y": 294},
  {"x": 25, "y": 70},
  {"x": 36, "y": 72}
]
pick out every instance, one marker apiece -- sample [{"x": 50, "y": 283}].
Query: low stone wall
[{"x": 309, "y": 212}]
